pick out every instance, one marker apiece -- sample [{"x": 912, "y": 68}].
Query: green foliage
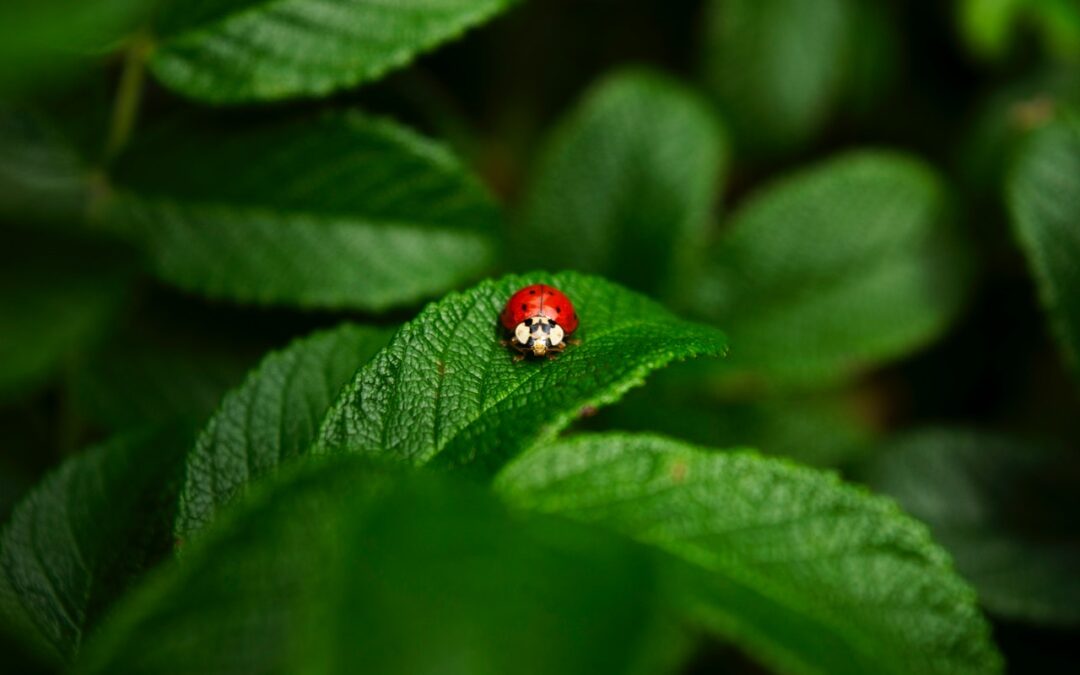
[
  {"x": 271, "y": 418},
  {"x": 339, "y": 568},
  {"x": 1044, "y": 198},
  {"x": 991, "y": 26},
  {"x": 341, "y": 210},
  {"x": 808, "y": 574},
  {"x": 626, "y": 185},
  {"x": 834, "y": 269},
  {"x": 232, "y": 51},
  {"x": 447, "y": 391},
  {"x": 50, "y": 314},
  {"x": 41, "y": 175},
  {"x": 777, "y": 66},
  {"x": 81, "y": 538},
  {"x": 1003, "y": 508}
]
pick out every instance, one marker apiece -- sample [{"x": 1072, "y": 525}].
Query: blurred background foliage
[{"x": 878, "y": 201}]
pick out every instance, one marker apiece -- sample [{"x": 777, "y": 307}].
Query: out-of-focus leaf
[
  {"x": 42, "y": 177},
  {"x": 170, "y": 360},
  {"x": 820, "y": 430},
  {"x": 82, "y": 536},
  {"x": 57, "y": 296},
  {"x": 248, "y": 50},
  {"x": 1044, "y": 198},
  {"x": 43, "y": 38},
  {"x": 806, "y": 573},
  {"x": 835, "y": 269},
  {"x": 274, "y": 416},
  {"x": 1004, "y": 508},
  {"x": 337, "y": 211},
  {"x": 446, "y": 390},
  {"x": 991, "y": 26},
  {"x": 626, "y": 185},
  {"x": 777, "y": 66},
  {"x": 339, "y": 568}
]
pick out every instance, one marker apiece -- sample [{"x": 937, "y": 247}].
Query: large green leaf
[
  {"x": 336, "y": 211},
  {"x": 446, "y": 390},
  {"x": 806, "y": 573},
  {"x": 1004, "y": 508},
  {"x": 247, "y": 50},
  {"x": 57, "y": 296},
  {"x": 835, "y": 269},
  {"x": 1044, "y": 198},
  {"x": 626, "y": 185},
  {"x": 334, "y": 569},
  {"x": 80, "y": 538},
  {"x": 777, "y": 66},
  {"x": 272, "y": 417}
]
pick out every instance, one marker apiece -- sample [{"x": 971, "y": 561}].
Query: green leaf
[
  {"x": 340, "y": 210},
  {"x": 835, "y": 269},
  {"x": 446, "y": 390},
  {"x": 42, "y": 177},
  {"x": 58, "y": 295},
  {"x": 341, "y": 567},
  {"x": 819, "y": 429},
  {"x": 626, "y": 184},
  {"x": 806, "y": 573},
  {"x": 249, "y": 50},
  {"x": 992, "y": 26},
  {"x": 45, "y": 38},
  {"x": 271, "y": 418},
  {"x": 1044, "y": 199},
  {"x": 82, "y": 536},
  {"x": 1003, "y": 507},
  {"x": 777, "y": 66}
]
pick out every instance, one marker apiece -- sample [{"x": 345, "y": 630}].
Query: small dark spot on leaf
[
  {"x": 587, "y": 411},
  {"x": 678, "y": 471},
  {"x": 440, "y": 368}
]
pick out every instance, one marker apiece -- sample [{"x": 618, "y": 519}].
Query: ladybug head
[{"x": 538, "y": 335}]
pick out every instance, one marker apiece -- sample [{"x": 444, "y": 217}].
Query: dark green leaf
[
  {"x": 447, "y": 390},
  {"x": 1044, "y": 198},
  {"x": 819, "y": 429},
  {"x": 627, "y": 183},
  {"x": 80, "y": 539},
  {"x": 836, "y": 269},
  {"x": 45, "y": 38},
  {"x": 57, "y": 296},
  {"x": 335, "y": 569},
  {"x": 249, "y": 50},
  {"x": 806, "y": 573},
  {"x": 42, "y": 177},
  {"x": 272, "y": 417},
  {"x": 337, "y": 211},
  {"x": 1004, "y": 508},
  {"x": 777, "y": 66},
  {"x": 992, "y": 26}
]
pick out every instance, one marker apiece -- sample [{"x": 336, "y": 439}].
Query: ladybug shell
[{"x": 537, "y": 300}]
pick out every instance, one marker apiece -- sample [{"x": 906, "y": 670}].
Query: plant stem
[{"x": 128, "y": 95}]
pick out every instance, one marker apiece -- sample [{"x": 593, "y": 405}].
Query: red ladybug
[{"x": 539, "y": 319}]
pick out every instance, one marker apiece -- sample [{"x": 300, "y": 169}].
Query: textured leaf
[
  {"x": 1044, "y": 198},
  {"x": 337, "y": 211},
  {"x": 835, "y": 269},
  {"x": 272, "y": 417},
  {"x": 247, "y": 50},
  {"x": 626, "y": 185},
  {"x": 334, "y": 570},
  {"x": 1004, "y": 508},
  {"x": 806, "y": 573},
  {"x": 777, "y": 66},
  {"x": 58, "y": 294},
  {"x": 446, "y": 390},
  {"x": 80, "y": 538}
]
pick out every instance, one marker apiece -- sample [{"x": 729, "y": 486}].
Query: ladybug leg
[{"x": 519, "y": 357}]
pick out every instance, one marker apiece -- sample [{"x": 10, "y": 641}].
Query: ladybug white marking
[{"x": 539, "y": 335}]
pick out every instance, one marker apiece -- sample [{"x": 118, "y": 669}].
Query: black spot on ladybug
[
  {"x": 575, "y": 315},
  {"x": 532, "y": 291},
  {"x": 558, "y": 309},
  {"x": 524, "y": 307}
]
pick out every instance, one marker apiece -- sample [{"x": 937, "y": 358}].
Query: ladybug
[{"x": 539, "y": 318}]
